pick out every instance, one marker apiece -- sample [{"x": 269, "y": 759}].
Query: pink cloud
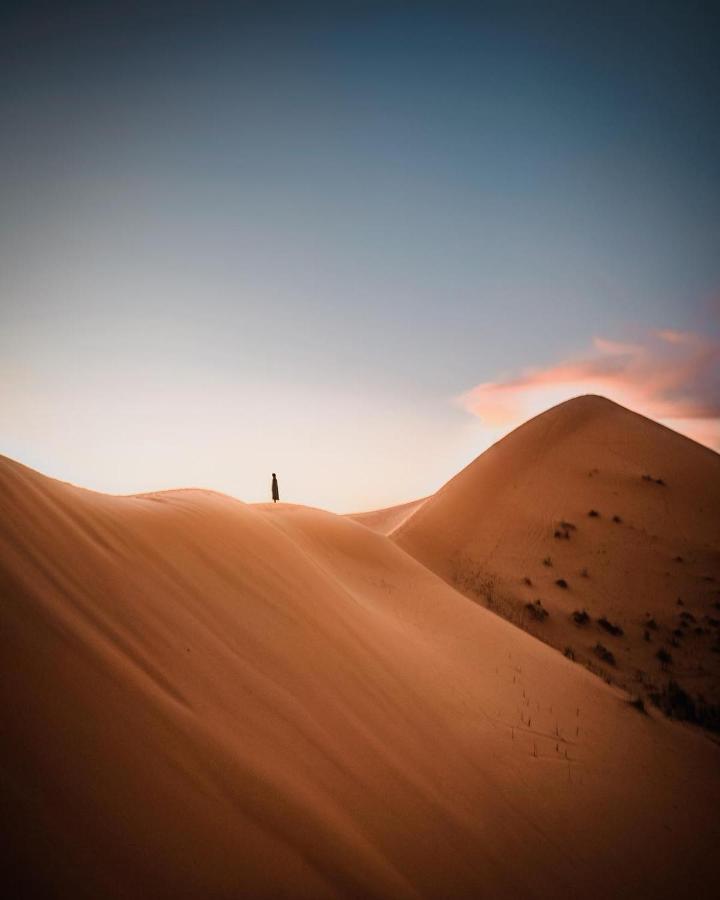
[{"x": 671, "y": 376}]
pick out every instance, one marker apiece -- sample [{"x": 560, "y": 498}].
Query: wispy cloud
[{"x": 671, "y": 376}]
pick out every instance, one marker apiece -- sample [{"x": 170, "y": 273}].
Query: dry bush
[
  {"x": 537, "y": 611},
  {"x": 604, "y": 654},
  {"x": 609, "y": 626}
]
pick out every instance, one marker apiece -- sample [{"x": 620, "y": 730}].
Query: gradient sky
[{"x": 351, "y": 242}]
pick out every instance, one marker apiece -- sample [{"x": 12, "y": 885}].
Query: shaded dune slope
[
  {"x": 623, "y": 512},
  {"x": 206, "y": 699}
]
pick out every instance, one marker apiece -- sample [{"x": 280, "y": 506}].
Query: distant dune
[
  {"x": 389, "y": 519},
  {"x": 204, "y": 699},
  {"x": 590, "y": 507}
]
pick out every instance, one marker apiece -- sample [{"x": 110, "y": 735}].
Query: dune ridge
[
  {"x": 209, "y": 699},
  {"x": 388, "y": 519}
]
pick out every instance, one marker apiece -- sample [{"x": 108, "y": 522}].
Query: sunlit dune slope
[
  {"x": 388, "y": 519},
  {"x": 203, "y": 699},
  {"x": 622, "y": 510}
]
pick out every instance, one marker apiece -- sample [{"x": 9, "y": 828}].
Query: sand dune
[
  {"x": 621, "y": 509},
  {"x": 389, "y": 519},
  {"x": 205, "y": 699}
]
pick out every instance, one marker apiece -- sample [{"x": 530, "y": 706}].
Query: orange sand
[
  {"x": 204, "y": 699},
  {"x": 492, "y": 526}
]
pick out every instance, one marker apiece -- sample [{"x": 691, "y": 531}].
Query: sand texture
[
  {"x": 389, "y": 519},
  {"x": 205, "y": 699}
]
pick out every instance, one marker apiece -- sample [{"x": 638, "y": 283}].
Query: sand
[
  {"x": 206, "y": 699},
  {"x": 387, "y": 520},
  {"x": 650, "y": 552}
]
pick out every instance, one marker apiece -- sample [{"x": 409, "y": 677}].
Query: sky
[{"x": 353, "y": 243}]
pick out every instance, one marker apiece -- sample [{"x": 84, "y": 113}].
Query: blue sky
[{"x": 254, "y": 237}]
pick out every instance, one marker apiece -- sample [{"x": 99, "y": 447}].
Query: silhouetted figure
[{"x": 275, "y": 489}]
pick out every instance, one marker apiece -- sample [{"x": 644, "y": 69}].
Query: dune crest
[{"x": 387, "y": 520}]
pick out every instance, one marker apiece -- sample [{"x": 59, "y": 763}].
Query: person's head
[{"x": 273, "y": 475}]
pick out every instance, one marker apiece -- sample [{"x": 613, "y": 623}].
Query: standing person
[{"x": 275, "y": 489}]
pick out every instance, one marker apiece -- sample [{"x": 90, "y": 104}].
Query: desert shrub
[
  {"x": 568, "y": 526},
  {"x": 561, "y": 583},
  {"x": 570, "y": 653},
  {"x": 594, "y": 514},
  {"x": 646, "y": 635},
  {"x": 617, "y": 520},
  {"x": 687, "y": 616},
  {"x": 698, "y": 629},
  {"x": 527, "y": 581},
  {"x": 674, "y": 642},
  {"x": 584, "y": 573},
  {"x": 580, "y": 617},
  {"x": 676, "y": 703},
  {"x": 605, "y": 655},
  {"x": 475, "y": 582},
  {"x": 712, "y": 621},
  {"x": 561, "y": 535},
  {"x": 651, "y": 624},
  {"x": 537, "y": 611},
  {"x": 609, "y": 626},
  {"x": 678, "y": 559},
  {"x": 665, "y": 657},
  {"x": 678, "y": 632},
  {"x": 708, "y": 715},
  {"x": 547, "y": 562},
  {"x": 639, "y": 704},
  {"x": 653, "y": 480}
]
